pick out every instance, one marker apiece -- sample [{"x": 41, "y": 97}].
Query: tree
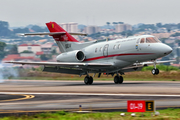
[
  {"x": 178, "y": 25},
  {"x": 115, "y": 23},
  {"x": 21, "y": 30},
  {"x": 53, "y": 52},
  {"x": 26, "y": 51},
  {"x": 2, "y": 52},
  {"x": 37, "y": 28},
  {"x": 13, "y": 49},
  {"x": 120, "y": 22},
  {"x": 108, "y": 23},
  {"x": 45, "y": 57},
  {"x": 159, "y": 25}
]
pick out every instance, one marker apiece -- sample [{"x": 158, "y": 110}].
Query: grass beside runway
[
  {"x": 167, "y": 114},
  {"x": 131, "y": 76},
  {"x": 167, "y": 73}
]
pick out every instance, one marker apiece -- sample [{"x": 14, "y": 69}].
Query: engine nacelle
[{"x": 72, "y": 56}]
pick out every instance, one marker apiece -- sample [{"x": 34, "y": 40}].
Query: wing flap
[
  {"x": 63, "y": 64},
  {"x": 156, "y": 62}
]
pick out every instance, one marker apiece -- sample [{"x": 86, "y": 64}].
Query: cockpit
[{"x": 148, "y": 40}]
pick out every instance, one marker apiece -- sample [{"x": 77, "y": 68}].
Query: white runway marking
[{"x": 35, "y": 93}]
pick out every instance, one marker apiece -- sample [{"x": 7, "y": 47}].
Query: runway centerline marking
[
  {"x": 26, "y": 97},
  {"x": 100, "y": 94}
]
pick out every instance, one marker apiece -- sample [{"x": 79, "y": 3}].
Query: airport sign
[{"x": 140, "y": 106}]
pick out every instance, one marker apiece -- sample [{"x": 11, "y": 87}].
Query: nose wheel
[
  {"x": 155, "y": 71},
  {"x": 118, "y": 79},
  {"x": 88, "y": 80}
]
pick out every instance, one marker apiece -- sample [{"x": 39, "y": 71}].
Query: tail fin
[{"x": 64, "y": 41}]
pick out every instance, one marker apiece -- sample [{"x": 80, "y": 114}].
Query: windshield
[{"x": 152, "y": 40}]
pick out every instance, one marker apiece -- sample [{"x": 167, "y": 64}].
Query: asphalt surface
[{"x": 21, "y": 96}]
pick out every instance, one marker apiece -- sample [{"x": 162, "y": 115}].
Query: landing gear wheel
[
  {"x": 155, "y": 71},
  {"x": 118, "y": 79},
  {"x": 88, "y": 80},
  {"x": 121, "y": 80}
]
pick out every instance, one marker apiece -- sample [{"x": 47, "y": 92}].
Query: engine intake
[
  {"x": 80, "y": 56},
  {"x": 72, "y": 56}
]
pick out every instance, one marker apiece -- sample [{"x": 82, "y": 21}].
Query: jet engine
[{"x": 72, "y": 56}]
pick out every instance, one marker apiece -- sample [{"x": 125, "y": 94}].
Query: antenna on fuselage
[{"x": 106, "y": 38}]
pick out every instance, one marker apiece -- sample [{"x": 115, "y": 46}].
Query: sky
[{"x": 89, "y": 12}]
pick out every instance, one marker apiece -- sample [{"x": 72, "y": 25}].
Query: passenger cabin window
[
  {"x": 114, "y": 47},
  {"x": 142, "y": 40},
  {"x": 96, "y": 50},
  {"x": 100, "y": 49},
  {"x": 119, "y": 46}
]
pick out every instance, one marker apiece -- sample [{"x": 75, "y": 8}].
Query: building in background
[
  {"x": 92, "y": 29},
  {"x": 47, "y": 48},
  {"x": 122, "y": 27},
  {"x": 70, "y": 27},
  {"x": 178, "y": 51},
  {"x": 29, "y": 47}
]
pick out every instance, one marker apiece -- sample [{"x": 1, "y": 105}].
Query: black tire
[
  {"x": 153, "y": 71},
  {"x": 157, "y": 71},
  {"x": 90, "y": 80},
  {"x": 120, "y": 79},
  {"x": 116, "y": 79},
  {"x": 86, "y": 80}
]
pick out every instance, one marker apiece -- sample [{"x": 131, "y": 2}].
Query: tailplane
[{"x": 64, "y": 41}]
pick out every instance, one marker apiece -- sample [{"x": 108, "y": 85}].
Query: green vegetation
[
  {"x": 161, "y": 67},
  {"x": 27, "y": 51},
  {"x": 2, "y": 52},
  {"x": 167, "y": 73},
  {"x": 167, "y": 114}
]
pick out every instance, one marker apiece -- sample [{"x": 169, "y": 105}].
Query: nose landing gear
[{"x": 155, "y": 71}]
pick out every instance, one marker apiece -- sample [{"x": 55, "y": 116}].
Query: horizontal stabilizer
[{"x": 51, "y": 33}]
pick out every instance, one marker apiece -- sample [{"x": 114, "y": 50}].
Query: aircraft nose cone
[{"x": 168, "y": 50}]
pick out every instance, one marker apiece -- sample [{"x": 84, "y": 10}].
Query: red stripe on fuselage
[{"x": 125, "y": 54}]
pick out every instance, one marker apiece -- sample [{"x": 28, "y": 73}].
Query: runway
[{"x": 18, "y": 96}]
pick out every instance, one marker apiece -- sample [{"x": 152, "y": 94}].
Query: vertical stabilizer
[{"x": 64, "y": 41}]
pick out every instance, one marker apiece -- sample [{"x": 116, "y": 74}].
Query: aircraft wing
[
  {"x": 139, "y": 66},
  {"x": 156, "y": 62},
  {"x": 51, "y": 33},
  {"x": 63, "y": 64}
]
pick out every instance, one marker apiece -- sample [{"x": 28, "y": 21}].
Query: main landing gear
[
  {"x": 88, "y": 80},
  {"x": 118, "y": 79}
]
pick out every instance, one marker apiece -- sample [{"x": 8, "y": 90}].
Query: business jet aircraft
[{"x": 109, "y": 57}]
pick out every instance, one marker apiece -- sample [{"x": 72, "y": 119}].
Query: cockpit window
[
  {"x": 151, "y": 40},
  {"x": 142, "y": 40},
  {"x": 138, "y": 41},
  {"x": 157, "y": 39}
]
